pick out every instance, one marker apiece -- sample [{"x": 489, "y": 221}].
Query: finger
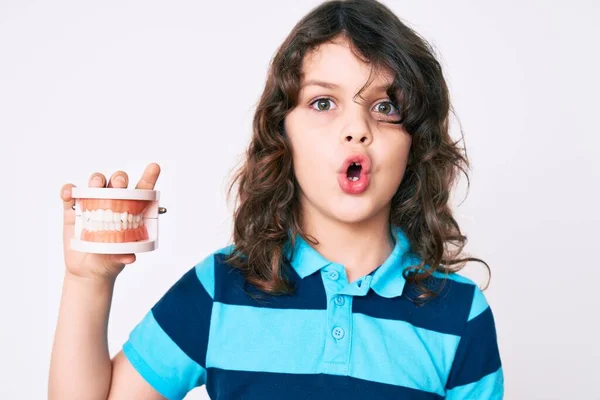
[
  {"x": 97, "y": 180},
  {"x": 149, "y": 177},
  {"x": 125, "y": 258},
  {"x": 118, "y": 180},
  {"x": 65, "y": 195}
]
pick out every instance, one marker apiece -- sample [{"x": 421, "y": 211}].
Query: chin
[
  {"x": 341, "y": 207},
  {"x": 354, "y": 210}
]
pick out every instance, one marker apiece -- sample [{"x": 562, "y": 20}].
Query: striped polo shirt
[{"x": 329, "y": 340}]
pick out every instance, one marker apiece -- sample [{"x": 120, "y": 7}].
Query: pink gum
[
  {"x": 128, "y": 235},
  {"x": 117, "y": 205}
]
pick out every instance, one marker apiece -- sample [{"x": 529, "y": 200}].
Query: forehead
[{"x": 336, "y": 62}]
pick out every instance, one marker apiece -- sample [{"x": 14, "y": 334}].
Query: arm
[
  {"x": 127, "y": 383},
  {"x": 81, "y": 367},
  {"x": 163, "y": 356}
]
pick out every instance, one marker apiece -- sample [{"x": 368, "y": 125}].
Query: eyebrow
[
  {"x": 330, "y": 85},
  {"x": 324, "y": 84}
]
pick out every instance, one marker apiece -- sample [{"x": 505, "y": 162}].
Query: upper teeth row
[
  {"x": 355, "y": 163},
  {"x": 110, "y": 216}
]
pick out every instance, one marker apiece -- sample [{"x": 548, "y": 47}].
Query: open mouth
[
  {"x": 353, "y": 172},
  {"x": 353, "y": 175}
]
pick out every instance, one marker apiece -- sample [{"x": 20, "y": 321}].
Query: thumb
[{"x": 124, "y": 258}]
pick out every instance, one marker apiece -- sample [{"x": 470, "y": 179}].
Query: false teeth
[{"x": 103, "y": 220}]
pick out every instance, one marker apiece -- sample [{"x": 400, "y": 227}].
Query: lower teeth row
[
  {"x": 353, "y": 178},
  {"x": 97, "y": 226}
]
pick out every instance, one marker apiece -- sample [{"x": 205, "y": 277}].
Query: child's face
[{"x": 324, "y": 133}]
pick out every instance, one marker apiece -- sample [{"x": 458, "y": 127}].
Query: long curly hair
[{"x": 268, "y": 211}]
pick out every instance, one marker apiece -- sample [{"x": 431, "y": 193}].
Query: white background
[{"x": 102, "y": 86}]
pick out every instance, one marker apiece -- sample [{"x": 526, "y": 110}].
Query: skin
[{"x": 323, "y": 133}]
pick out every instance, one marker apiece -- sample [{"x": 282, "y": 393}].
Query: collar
[{"x": 387, "y": 280}]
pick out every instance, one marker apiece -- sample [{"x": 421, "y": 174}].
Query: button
[
  {"x": 339, "y": 300},
  {"x": 334, "y": 275},
  {"x": 338, "y": 333}
]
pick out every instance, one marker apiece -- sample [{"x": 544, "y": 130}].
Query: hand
[{"x": 99, "y": 266}]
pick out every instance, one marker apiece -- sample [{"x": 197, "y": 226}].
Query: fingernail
[
  {"x": 65, "y": 192},
  {"x": 97, "y": 180},
  {"x": 120, "y": 179}
]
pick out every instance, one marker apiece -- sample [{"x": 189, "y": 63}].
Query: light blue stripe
[
  {"x": 205, "y": 270},
  {"x": 160, "y": 361},
  {"x": 490, "y": 387},
  {"x": 262, "y": 339},
  {"x": 398, "y": 353},
  {"x": 479, "y": 305}
]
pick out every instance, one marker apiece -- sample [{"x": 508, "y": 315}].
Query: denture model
[{"x": 116, "y": 221}]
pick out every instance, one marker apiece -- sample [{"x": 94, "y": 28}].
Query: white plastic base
[
  {"x": 114, "y": 193},
  {"x": 113, "y": 248}
]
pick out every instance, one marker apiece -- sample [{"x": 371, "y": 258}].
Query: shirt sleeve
[
  {"x": 477, "y": 368},
  {"x": 168, "y": 346}
]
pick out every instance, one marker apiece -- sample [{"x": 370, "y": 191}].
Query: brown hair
[{"x": 268, "y": 212}]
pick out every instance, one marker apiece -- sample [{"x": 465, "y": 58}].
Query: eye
[
  {"x": 322, "y": 104},
  {"x": 385, "y": 107}
]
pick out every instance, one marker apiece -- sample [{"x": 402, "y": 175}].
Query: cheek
[
  {"x": 309, "y": 151},
  {"x": 310, "y": 160},
  {"x": 395, "y": 157}
]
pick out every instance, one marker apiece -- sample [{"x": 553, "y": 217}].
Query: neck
[{"x": 360, "y": 247}]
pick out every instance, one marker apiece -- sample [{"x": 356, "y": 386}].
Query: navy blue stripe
[
  {"x": 477, "y": 354},
  {"x": 447, "y": 313},
  {"x": 231, "y": 288},
  {"x": 226, "y": 384},
  {"x": 184, "y": 313}
]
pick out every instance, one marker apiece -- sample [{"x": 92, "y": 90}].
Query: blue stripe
[
  {"x": 227, "y": 384},
  {"x": 446, "y": 313},
  {"x": 394, "y": 352},
  {"x": 184, "y": 314},
  {"x": 477, "y": 354},
  {"x": 231, "y": 288},
  {"x": 490, "y": 387},
  {"x": 160, "y": 361},
  {"x": 266, "y": 339}
]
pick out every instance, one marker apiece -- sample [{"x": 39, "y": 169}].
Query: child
[{"x": 339, "y": 282}]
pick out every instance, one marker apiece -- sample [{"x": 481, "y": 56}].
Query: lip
[
  {"x": 362, "y": 158},
  {"x": 359, "y": 186}
]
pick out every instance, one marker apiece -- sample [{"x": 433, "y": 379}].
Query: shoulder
[
  {"x": 471, "y": 297},
  {"x": 458, "y": 300},
  {"x": 207, "y": 270},
  {"x": 195, "y": 288}
]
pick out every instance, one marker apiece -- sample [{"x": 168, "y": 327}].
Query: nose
[{"x": 356, "y": 131}]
